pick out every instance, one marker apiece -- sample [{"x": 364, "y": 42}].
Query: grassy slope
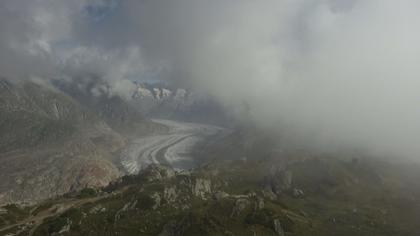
[{"x": 340, "y": 198}]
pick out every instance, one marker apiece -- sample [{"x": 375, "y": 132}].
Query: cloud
[
  {"x": 329, "y": 73},
  {"x": 28, "y": 28}
]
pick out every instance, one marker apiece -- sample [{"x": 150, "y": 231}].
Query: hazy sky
[{"x": 333, "y": 73}]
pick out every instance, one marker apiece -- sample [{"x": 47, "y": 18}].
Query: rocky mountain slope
[
  {"x": 306, "y": 196},
  {"x": 60, "y": 143},
  {"x": 97, "y": 96},
  {"x": 53, "y": 141},
  {"x": 268, "y": 193}
]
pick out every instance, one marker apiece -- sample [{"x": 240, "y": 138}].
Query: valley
[{"x": 209, "y": 118}]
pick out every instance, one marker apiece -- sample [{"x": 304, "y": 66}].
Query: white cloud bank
[{"x": 333, "y": 73}]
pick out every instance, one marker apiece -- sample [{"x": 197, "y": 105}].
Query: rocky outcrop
[
  {"x": 279, "y": 181},
  {"x": 297, "y": 193},
  {"x": 156, "y": 172},
  {"x": 97, "y": 209},
  {"x": 268, "y": 193},
  {"x": 53, "y": 142},
  {"x": 260, "y": 204},
  {"x": 156, "y": 199},
  {"x": 170, "y": 194},
  {"x": 278, "y": 227},
  {"x": 201, "y": 188}
]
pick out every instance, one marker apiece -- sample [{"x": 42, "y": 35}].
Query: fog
[{"x": 325, "y": 73}]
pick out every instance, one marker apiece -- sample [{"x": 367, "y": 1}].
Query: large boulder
[
  {"x": 278, "y": 181},
  {"x": 170, "y": 194},
  {"x": 201, "y": 188}
]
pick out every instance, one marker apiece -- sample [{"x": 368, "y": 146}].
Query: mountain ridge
[{"x": 53, "y": 141}]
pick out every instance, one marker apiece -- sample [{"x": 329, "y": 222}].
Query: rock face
[
  {"x": 97, "y": 209},
  {"x": 279, "y": 181},
  {"x": 53, "y": 142},
  {"x": 260, "y": 204},
  {"x": 287, "y": 179},
  {"x": 157, "y": 199},
  {"x": 278, "y": 228},
  {"x": 201, "y": 188},
  {"x": 170, "y": 194},
  {"x": 268, "y": 193},
  {"x": 53, "y": 172},
  {"x": 113, "y": 108},
  {"x": 297, "y": 193}
]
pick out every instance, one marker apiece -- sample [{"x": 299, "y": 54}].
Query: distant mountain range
[{"x": 163, "y": 101}]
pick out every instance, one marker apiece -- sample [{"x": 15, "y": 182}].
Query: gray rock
[
  {"x": 297, "y": 193},
  {"x": 97, "y": 209},
  {"x": 157, "y": 199},
  {"x": 201, "y": 188},
  {"x": 260, "y": 203},
  {"x": 170, "y": 194},
  {"x": 219, "y": 195},
  {"x": 278, "y": 181},
  {"x": 278, "y": 228},
  {"x": 287, "y": 179},
  {"x": 252, "y": 194},
  {"x": 240, "y": 205},
  {"x": 282, "y": 181}
]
